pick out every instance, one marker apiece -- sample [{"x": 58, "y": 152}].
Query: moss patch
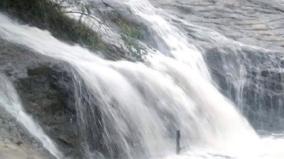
[
  {"x": 47, "y": 15},
  {"x": 131, "y": 33},
  {"x": 131, "y": 30},
  {"x": 128, "y": 28}
]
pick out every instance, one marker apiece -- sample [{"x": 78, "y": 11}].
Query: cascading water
[
  {"x": 141, "y": 105},
  {"x": 11, "y": 103}
]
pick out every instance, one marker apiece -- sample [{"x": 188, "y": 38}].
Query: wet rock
[
  {"x": 45, "y": 87},
  {"x": 48, "y": 95},
  {"x": 253, "y": 80},
  {"x": 57, "y": 98}
]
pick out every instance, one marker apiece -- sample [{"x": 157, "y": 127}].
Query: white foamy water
[{"x": 144, "y": 103}]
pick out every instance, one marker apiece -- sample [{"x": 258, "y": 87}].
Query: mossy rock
[
  {"x": 48, "y": 15},
  {"x": 127, "y": 27}
]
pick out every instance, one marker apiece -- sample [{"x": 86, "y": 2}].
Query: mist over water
[{"x": 143, "y": 104}]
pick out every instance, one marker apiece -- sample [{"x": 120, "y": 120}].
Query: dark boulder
[{"x": 45, "y": 87}]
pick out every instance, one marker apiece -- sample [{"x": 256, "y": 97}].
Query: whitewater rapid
[{"x": 145, "y": 103}]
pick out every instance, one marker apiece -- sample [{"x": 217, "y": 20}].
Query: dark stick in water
[{"x": 178, "y": 141}]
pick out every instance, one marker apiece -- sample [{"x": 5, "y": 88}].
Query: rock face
[
  {"x": 45, "y": 88},
  {"x": 242, "y": 42},
  {"x": 48, "y": 95},
  {"x": 253, "y": 79},
  {"x": 254, "y": 22},
  {"x": 15, "y": 143},
  {"x": 263, "y": 99},
  {"x": 55, "y": 96}
]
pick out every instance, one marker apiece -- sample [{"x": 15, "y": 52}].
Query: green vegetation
[
  {"x": 48, "y": 15},
  {"x": 131, "y": 33},
  {"x": 130, "y": 29}
]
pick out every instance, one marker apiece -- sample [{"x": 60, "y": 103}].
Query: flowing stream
[{"x": 143, "y": 104}]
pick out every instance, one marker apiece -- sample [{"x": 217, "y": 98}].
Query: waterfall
[
  {"x": 10, "y": 101},
  {"x": 135, "y": 108},
  {"x": 175, "y": 40},
  {"x": 142, "y": 104}
]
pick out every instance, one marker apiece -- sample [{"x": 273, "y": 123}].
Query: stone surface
[
  {"x": 254, "y": 22},
  {"x": 242, "y": 42},
  {"x": 45, "y": 88},
  {"x": 15, "y": 141}
]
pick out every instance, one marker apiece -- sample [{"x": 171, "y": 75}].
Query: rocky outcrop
[
  {"x": 254, "y": 80},
  {"x": 53, "y": 93},
  {"x": 45, "y": 88}
]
